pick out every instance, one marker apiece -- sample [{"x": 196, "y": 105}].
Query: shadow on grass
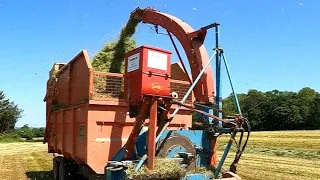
[{"x": 39, "y": 175}]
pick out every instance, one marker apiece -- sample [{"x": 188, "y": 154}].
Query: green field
[{"x": 270, "y": 155}]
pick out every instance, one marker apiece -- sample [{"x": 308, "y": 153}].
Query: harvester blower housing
[{"x": 147, "y": 72}]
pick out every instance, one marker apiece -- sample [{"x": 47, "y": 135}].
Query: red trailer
[{"x": 87, "y": 118}]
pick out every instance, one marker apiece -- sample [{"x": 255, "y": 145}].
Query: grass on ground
[
  {"x": 25, "y": 160},
  {"x": 270, "y": 155},
  {"x": 278, "y": 155}
]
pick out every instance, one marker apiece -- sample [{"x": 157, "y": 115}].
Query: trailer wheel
[
  {"x": 56, "y": 164},
  {"x": 67, "y": 170}
]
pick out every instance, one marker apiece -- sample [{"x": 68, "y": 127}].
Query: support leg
[{"x": 152, "y": 135}]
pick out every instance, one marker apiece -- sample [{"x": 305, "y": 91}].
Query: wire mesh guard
[{"x": 107, "y": 85}]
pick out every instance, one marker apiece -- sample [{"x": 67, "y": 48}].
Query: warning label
[{"x": 133, "y": 62}]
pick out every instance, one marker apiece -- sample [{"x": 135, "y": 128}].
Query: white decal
[
  {"x": 133, "y": 62},
  {"x": 157, "y": 60}
]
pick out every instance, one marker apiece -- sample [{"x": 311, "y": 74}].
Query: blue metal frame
[
  {"x": 219, "y": 98},
  {"x": 196, "y": 177},
  {"x": 218, "y": 75},
  {"x": 231, "y": 84}
]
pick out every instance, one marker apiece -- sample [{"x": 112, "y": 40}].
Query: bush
[
  {"x": 23, "y": 132},
  {"x": 38, "y": 132},
  {"x": 26, "y": 132},
  {"x": 10, "y": 136}
]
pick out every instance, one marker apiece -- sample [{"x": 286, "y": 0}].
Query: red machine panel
[{"x": 147, "y": 71}]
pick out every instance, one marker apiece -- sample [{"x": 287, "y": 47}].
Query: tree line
[
  {"x": 29, "y": 133},
  {"x": 10, "y": 113},
  {"x": 278, "y": 110},
  {"x": 22, "y": 134},
  {"x": 266, "y": 111}
]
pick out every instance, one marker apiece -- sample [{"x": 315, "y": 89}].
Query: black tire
[
  {"x": 67, "y": 170},
  {"x": 81, "y": 177},
  {"x": 62, "y": 172},
  {"x": 56, "y": 164}
]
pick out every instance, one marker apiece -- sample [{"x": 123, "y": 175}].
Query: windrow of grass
[
  {"x": 280, "y": 143},
  {"x": 255, "y": 167},
  {"x": 278, "y": 155}
]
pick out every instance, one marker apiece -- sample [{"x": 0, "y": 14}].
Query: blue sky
[{"x": 269, "y": 44}]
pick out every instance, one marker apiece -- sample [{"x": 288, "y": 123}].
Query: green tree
[
  {"x": 306, "y": 98},
  {"x": 228, "y": 104},
  {"x": 313, "y": 121},
  {"x": 26, "y": 132},
  {"x": 9, "y": 113},
  {"x": 278, "y": 110},
  {"x": 252, "y": 107},
  {"x": 38, "y": 132}
]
